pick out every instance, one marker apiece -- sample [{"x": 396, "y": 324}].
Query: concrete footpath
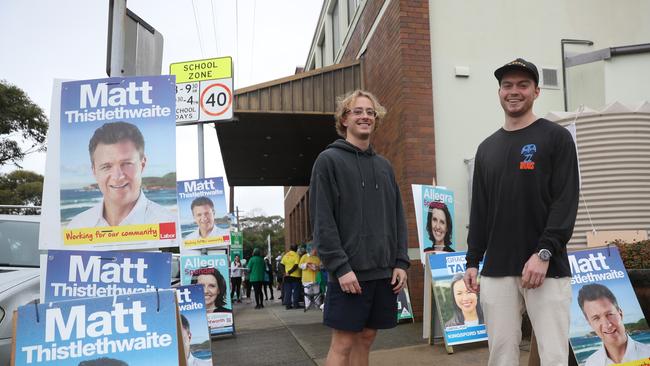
[{"x": 276, "y": 336}]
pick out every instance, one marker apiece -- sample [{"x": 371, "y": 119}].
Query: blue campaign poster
[
  {"x": 605, "y": 314},
  {"x": 211, "y": 271},
  {"x": 118, "y": 163},
  {"x": 437, "y": 229},
  {"x": 138, "y": 329},
  {"x": 458, "y": 309},
  {"x": 194, "y": 323},
  {"x": 80, "y": 274},
  {"x": 204, "y": 219}
]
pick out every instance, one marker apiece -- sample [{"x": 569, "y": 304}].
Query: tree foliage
[
  {"x": 256, "y": 229},
  {"x": 21, "y": 123},
  {"x": 21, "y": 188}
]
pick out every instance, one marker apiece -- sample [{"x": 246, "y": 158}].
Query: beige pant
[{"x": 503, "y": 301}]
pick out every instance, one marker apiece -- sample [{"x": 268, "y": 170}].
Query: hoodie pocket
[{"x": 372, "y": 251}]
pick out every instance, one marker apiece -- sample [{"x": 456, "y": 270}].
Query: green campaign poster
[{"x": 236, "y": 245}]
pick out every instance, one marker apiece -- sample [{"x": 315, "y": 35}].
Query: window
[
  {"x": 336, "y": 32},
  {"x": 352, "y": 9}
]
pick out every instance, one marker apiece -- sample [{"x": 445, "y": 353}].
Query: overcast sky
[{"x": 44, "y": 40}]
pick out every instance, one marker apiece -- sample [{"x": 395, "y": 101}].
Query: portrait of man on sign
[{"x": 117, "y": 157}]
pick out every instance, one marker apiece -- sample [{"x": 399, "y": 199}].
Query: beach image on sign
[
  {"x": 194, "y": 325},
  {"x": 118, "y": 162},
  {"x": 435, "y": 218},
  {"x": 212, "y": 272},
  {"x": 81, "y": 274},
  {"x": 607, "y": 323},
  {"x": 139, "y": 329},
  {"x": 205, "y": 221},
  {"x": 459, "y": 310}
]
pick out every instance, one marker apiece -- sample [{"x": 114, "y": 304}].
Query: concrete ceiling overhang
[{"x": 281, "y": 126}]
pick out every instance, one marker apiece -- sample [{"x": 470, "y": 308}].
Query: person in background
[
  {"x": 256, "y": 268},
  {"x": 292, "y": 278},
  {"x": 279, "y": 274},
  {"x": 268, "y": 277},
  {"x": 245, "y": 282},
  {"x": 310, "y": 266},
  {"x": 236, "y": 270}
]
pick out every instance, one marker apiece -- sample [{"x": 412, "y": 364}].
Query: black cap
[{"x": 518, "y": 64}]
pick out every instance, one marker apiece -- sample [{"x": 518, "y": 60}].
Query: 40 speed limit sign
[
  {"x": 203, "y": 90},
  {"x": 216, "y": 99}
]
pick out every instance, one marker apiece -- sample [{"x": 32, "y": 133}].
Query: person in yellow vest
[
  {"x": 292, "y": 277},
  {"x": 310, "y": 266}
]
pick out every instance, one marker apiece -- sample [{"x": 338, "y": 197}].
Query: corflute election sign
[
  {"x": 204, "y": 219},
  {"x": 118, "y": 163},
  {"x": 212, "y": 272},
  {"x": 607, "y": 324},
  {"x": 194, "y": 323},
  {"x": 80, "y": 274},
  {"x": 139, "y": 329},
  {"x": 458, "y": 309}
]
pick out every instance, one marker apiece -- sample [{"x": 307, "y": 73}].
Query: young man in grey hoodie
[{"x": 359, "y": 231}]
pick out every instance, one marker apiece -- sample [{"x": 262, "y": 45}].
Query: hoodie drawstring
[
  {"x": 374, "y": 174},
  {"x": 363, "y": 180}
]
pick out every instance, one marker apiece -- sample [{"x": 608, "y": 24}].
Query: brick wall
[{"x": 296, "y": 216}]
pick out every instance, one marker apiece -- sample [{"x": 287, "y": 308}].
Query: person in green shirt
[{"x": 256, "y": 267}]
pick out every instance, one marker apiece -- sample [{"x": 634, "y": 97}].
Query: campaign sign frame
[
  {"x": 211, "y": 271},
  {"x": 72, "y": 274},
  {"x": 447, "y": 270},
  {"x": 440, "y": 201},
  {"x": 203, "y": 202},
  {"x": 596, "y": 274},
  {"x": 122, "y": 194},
  {"x": 191, "y": 304},
  {"x": 204, "y": 90},
  {"x": 139, "y": 329}
]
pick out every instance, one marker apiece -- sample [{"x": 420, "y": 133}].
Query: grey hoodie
[{"x": 356, "y": 213}]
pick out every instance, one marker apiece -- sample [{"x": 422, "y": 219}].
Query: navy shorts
[{"x": 374, "y": 308}]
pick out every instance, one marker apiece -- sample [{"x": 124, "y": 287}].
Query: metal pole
[
  {"x": 562, "y": 43},
  {"x": 201, "y": 151}
]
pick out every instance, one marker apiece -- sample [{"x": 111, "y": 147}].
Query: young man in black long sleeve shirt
[{"x": 524, "y": 205}]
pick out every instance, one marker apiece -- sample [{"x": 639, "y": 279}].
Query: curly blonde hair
[{"x": 343, "y": 107}]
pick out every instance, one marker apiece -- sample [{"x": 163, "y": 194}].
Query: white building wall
[
  {"x": 586, "y": 85},
  {"x": 484, "y": 35},
  {"x": 627, "y": 78}
]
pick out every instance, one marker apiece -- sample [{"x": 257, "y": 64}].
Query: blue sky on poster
[{"x": 44, "y": 40}]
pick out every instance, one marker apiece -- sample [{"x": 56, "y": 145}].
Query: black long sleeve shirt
[{"x": 524, "y": 199}]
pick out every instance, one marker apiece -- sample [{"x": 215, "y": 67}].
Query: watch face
[{"x": 544, "y": 255}]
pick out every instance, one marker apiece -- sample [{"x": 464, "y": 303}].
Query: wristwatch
[{"x": 544, "y": 255}]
